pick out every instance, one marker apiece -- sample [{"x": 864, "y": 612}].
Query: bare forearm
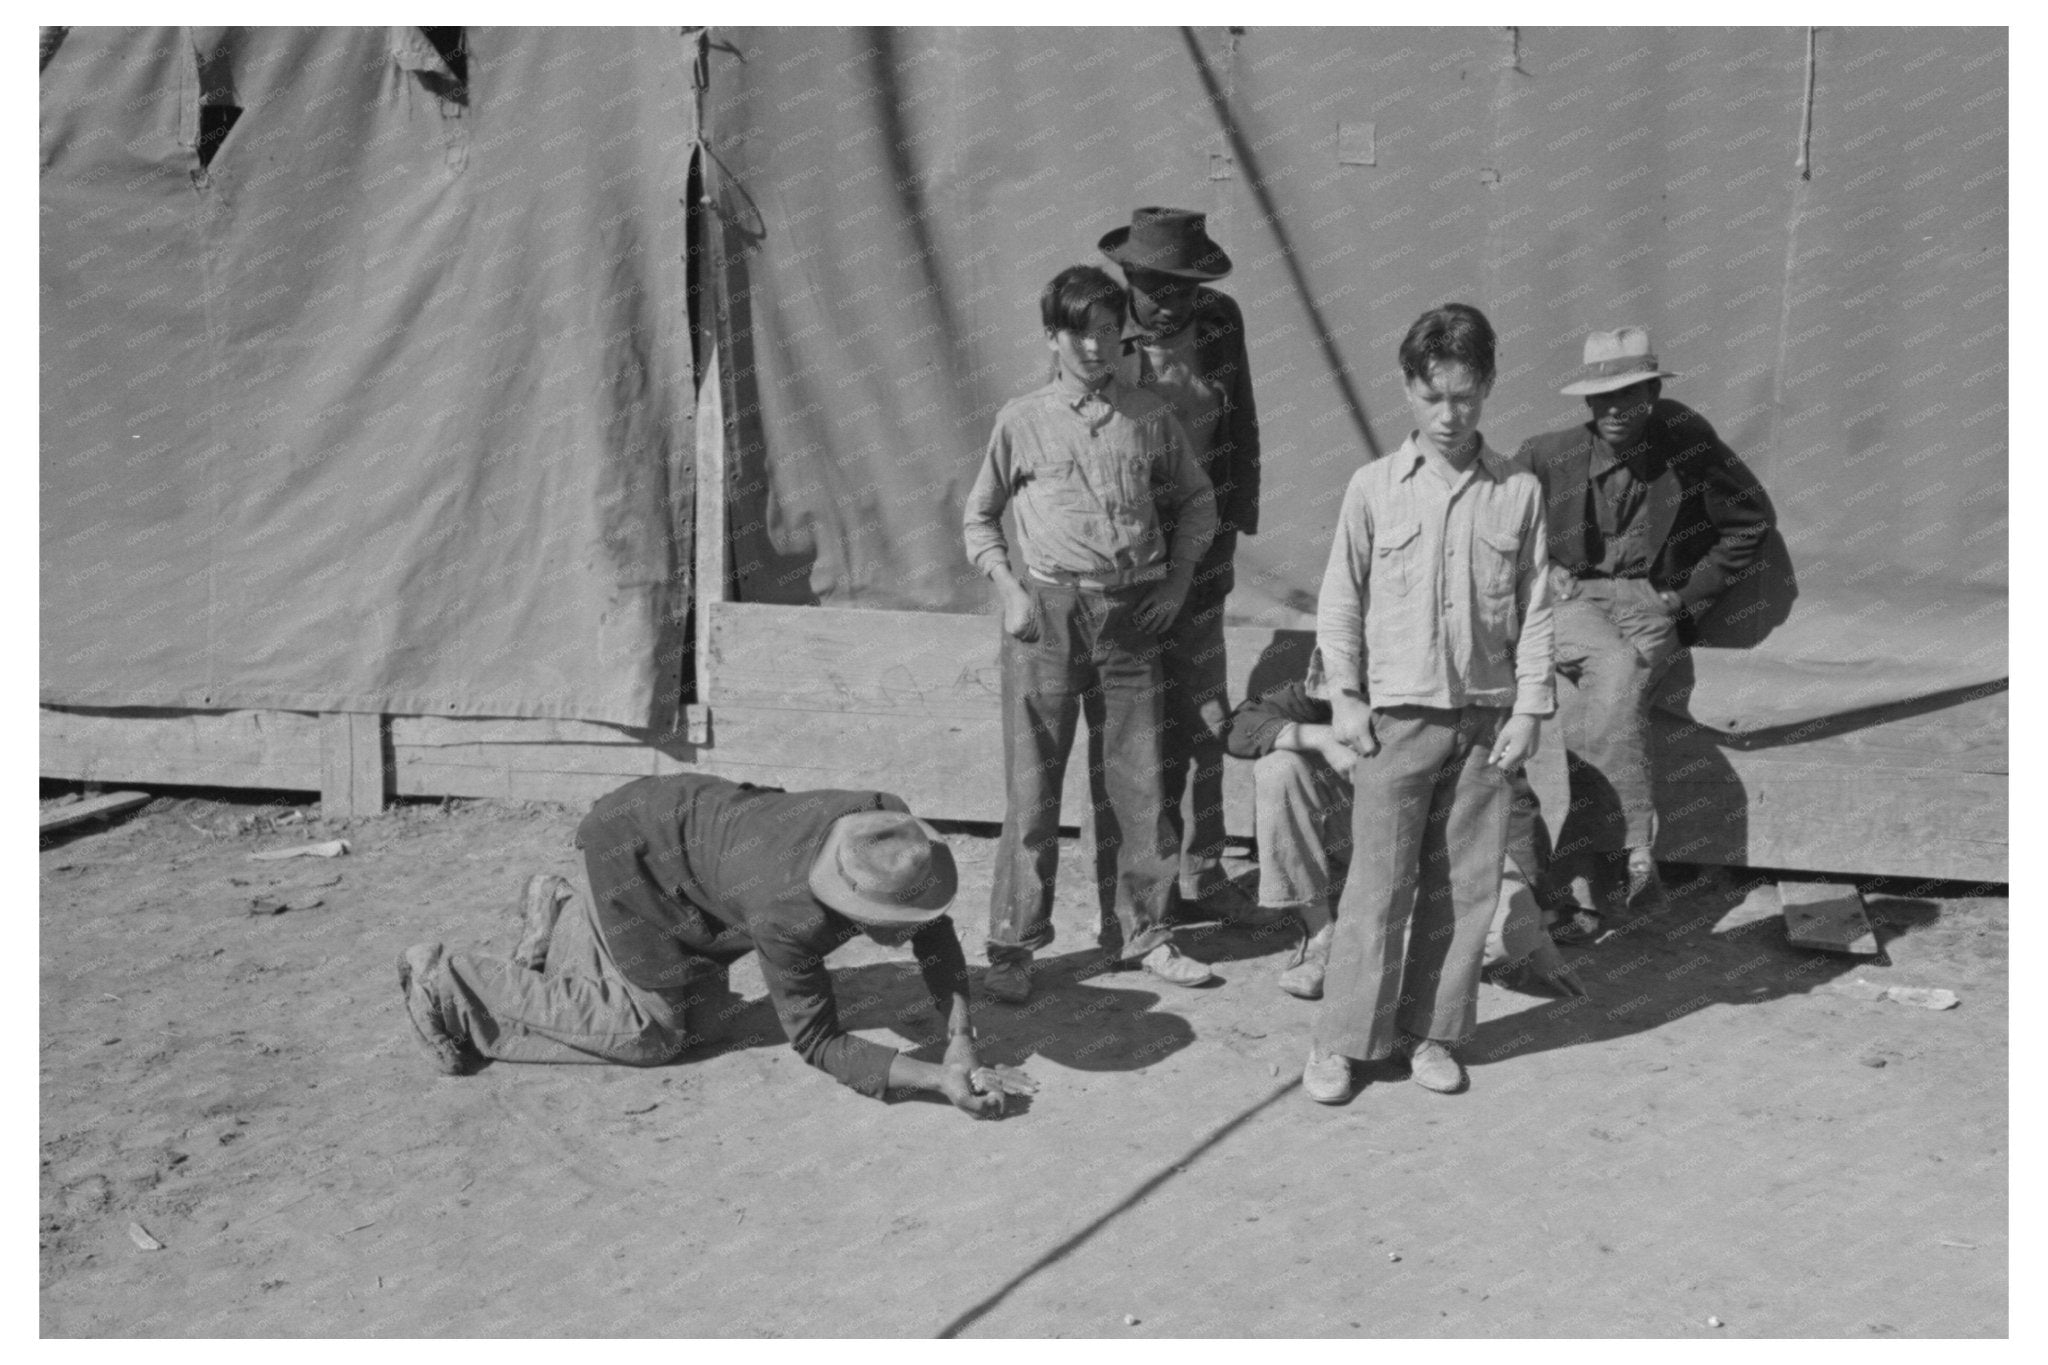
[{"x": 908, "y": 1073}]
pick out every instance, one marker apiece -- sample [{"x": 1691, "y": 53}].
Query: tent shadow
[{"x": 1664, "y": 966}]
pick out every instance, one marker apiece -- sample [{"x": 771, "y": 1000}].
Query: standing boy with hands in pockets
[{"x": 1091, "y": 467}]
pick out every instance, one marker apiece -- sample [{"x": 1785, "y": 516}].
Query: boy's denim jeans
[{"x": 1090, "y": 657}]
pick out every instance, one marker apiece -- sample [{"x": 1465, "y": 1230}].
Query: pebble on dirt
[
  {"x": 1130, "y": 1321},
  {"x": 140, "y": 1236}
]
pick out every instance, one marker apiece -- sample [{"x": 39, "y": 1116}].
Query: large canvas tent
[{"x": 511, "y": 411}]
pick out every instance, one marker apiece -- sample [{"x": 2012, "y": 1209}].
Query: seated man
[
  {"x": 1302, "y": 810},
  {"x": 1650, "y": 518},
  {"x": 688, "y": 873}
]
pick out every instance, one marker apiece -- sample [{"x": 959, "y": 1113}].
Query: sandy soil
[{"x": 1722, "y": 1133}]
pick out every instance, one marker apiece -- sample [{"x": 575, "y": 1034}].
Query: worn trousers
[
  {"x": 1614, "y": 639},
  {"x": 1195, "y": 712},
  {"x": 579, "y": 1007},
  {"x": 1090, "y": 658},
  {"x": 1302, "y": 815},
  {"x": 1429, "y": 824}
]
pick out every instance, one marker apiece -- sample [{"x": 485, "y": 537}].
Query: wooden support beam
[
  {"x": 355, "y": 777},
  {"x": 93, "y": 808}
]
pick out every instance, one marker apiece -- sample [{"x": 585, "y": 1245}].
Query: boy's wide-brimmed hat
[
  {"x": 884, "y": 867},
  {"x": 1615, "y": 360},
  {"x": 1170, "y": 241}
]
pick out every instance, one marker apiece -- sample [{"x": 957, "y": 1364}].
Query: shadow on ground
[{"x": 1673, "y": 962}]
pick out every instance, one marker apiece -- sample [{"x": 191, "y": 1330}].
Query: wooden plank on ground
[
  {"x": 92, "y": 808},
  {"x": 1828, "y": 916}
]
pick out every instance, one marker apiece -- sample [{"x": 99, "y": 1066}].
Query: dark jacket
[
  {"x": 1703, "y": 518},
  {"x": 696, "y": 867},
  {"x": 1258, "y": 721},
  {"x": 1232, "y": 463}
]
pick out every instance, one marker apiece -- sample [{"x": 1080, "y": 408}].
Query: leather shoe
[
  {"x": 1327, "y": 1077},
  {"x": 1432, "y": 1067},
  {"x": 418, "y": 967},
  {"x": 1008, "y": 980},
  {"x": 1168, "y": 964},
  {"x": 1304, "y": 980}
]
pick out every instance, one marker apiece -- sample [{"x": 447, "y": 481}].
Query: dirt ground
[{"x": 1721, "y": 1134}]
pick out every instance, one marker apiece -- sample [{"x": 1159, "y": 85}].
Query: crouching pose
[{"x": 688, "y": 873}]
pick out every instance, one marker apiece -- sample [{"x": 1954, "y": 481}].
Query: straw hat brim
[
  {"x": 1608, "y": 383},
  {"x": 830, "y": 885}
]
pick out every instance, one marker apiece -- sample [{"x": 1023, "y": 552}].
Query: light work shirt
[
  {"x": 1090, "y": 474},
  {"x": 1438, "y": 593}
]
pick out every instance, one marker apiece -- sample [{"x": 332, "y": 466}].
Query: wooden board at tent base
[{"x": 908, "y": 702}]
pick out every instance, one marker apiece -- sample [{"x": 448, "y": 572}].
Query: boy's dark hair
[
  {"x": 1455, "y": 332},
  {"x": 1076, "y": 292}
]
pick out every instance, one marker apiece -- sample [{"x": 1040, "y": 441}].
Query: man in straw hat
[
  {"x": 1651, "y": 518},
  {"x": 688, "y": 873},
  {"x": 1185, "y": 342}
]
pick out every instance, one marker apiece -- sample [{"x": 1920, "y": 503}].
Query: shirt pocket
[
  {"x": 1496, "y": 557},
  {"x": 1057, "y": 482},
  {"x": 1395, "y": 551}
]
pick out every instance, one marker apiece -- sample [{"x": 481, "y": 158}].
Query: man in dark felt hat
[
  {"x": 1651, "y": 517},
  {"x": 1185, "y": 342},
  {"x": 688, "y": 873}
]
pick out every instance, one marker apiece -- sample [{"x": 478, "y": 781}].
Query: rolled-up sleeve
[{"x": 1346, "y": 591}]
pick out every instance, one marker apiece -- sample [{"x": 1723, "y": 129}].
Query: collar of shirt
[
  {"x": 1490, "y": 462},
  {"x": 1080, "y": 397}
]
